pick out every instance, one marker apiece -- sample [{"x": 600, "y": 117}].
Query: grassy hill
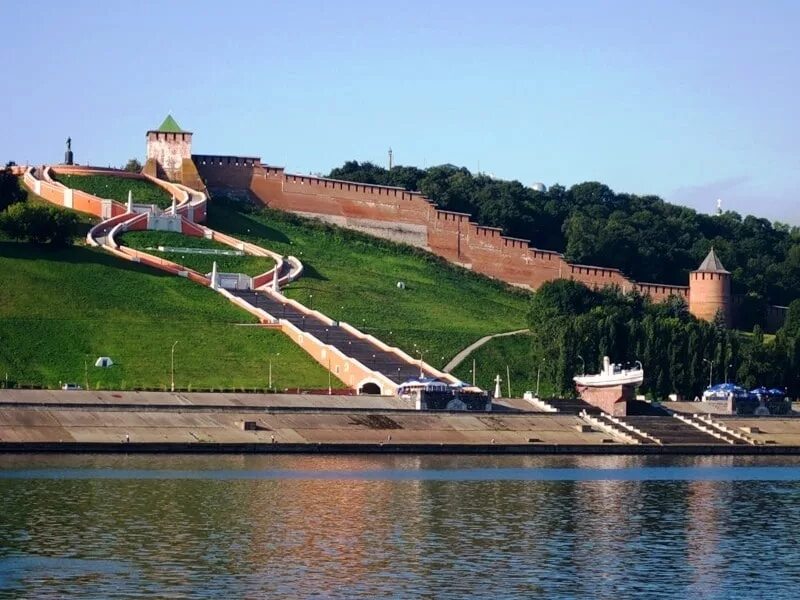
[
  {"x": 61, "y": 308},
  {"x": 202, "y": 263},
  {"x": 116, "y": 188},
  {"x": 353, "y": 277}
]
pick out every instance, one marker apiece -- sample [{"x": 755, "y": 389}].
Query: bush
[
  {"x": 10, "y": 190},
  {"x": 39, "y": 224}
]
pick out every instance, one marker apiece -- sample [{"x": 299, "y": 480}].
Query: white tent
[{"x": 103, "y": 361}]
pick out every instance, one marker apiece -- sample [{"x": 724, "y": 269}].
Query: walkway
[{"x": 459, "y": 358}]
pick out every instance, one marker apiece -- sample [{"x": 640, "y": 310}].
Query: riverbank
[{"x": 159, "y": 422}]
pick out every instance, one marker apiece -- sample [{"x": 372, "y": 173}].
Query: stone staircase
[
  {"x": 674, "y": 430},
  {"x": 598, "y": 421},
  {"x": 714, "y": 428},
  {"x": 568, "y": 406},
  {"x": 391, "y": 365}
]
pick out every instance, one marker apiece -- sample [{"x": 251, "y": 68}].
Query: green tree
[
  {"x": 11, "y": 191},
  {"x": 39, "y": 224},
  {"x": 133, "y": 166}
]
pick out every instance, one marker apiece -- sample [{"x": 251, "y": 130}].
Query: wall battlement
[
  {"x": 397, "y": 214},
  {"x": 375, "y": 208}
]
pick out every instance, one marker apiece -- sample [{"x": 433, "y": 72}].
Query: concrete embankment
[{"x": 47, "y": 421}]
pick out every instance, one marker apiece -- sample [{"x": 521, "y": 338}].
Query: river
[{"x": 441, "y": 527}]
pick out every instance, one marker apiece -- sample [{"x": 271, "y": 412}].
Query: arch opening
[{"x": 370, "y": 388}]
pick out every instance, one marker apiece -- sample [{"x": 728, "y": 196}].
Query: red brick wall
[
  {"x": 612, "y": 400},
  {"x": 449, "y": 234},
  {"x": 659, "y": 292}
]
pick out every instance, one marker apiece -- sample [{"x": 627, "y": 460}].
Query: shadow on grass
[
  {"x": 230, "y": 221},
  {"x": 309, "y": 272},
  {"x": 74, "y": 255}
]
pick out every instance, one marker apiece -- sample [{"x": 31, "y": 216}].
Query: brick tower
[
  {"x": 710, "y": 289},
  {"x": 169, "y": 154}
]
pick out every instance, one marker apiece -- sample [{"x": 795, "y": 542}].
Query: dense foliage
[
  {"x": 574, "y": 327},
  {"x": 11, "y": 191},
  {"x": 39, "y": 224},
  {"x": 648, "y": 239},
  {"x": 133, "y": 166}
]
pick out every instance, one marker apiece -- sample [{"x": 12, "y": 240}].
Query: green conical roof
[{"x": 170, "y": 126}]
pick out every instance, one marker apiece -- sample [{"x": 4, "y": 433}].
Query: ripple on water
[{"x": 443, "y": 527}]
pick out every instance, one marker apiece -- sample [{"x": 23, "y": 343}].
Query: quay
[{"x": 164, "y": 422}]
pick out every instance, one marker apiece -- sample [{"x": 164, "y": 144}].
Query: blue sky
[{"x": 692, "y": 101}]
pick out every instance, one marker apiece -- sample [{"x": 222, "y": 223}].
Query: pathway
[{"x": 459, "y": 358}]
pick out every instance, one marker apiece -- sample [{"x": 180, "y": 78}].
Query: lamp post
[
  {"x": 710, "y": 370},
  {"x": 583, "y": 365},
  {"x": 86, "y": 371},
  {"x": 538, "y": 377},
  {"x": 172, "y": 368},
  {"x": 726, "y": 371},
  {"x": 311, "y": 302},
  {"x": 270, "y": 368}
]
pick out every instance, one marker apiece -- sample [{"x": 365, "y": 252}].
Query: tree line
[
  {"x": 648, "y": 239},
  {"x": 573, "y": 327}
]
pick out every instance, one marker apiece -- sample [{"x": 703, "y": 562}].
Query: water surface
[{"x": 399, "y": 526}]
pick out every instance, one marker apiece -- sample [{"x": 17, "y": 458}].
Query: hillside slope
[
  {"x": 61, "y": 308},
  {"x": 438, "y": 310}
]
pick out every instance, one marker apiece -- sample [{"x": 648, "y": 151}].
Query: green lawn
[
  {"x": 202, "y": 263},
  {"x": 353, "y": 278},
  {"x": 59, "y": 308},
  {"x": 116, "y": 188}
]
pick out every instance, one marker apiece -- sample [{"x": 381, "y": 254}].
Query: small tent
[{"x": 103, "y": 361}]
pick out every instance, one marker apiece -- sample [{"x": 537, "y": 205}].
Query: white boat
[{"x": 612, "y": 375}]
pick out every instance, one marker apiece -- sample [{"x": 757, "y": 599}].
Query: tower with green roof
[{"x": 169, "y": 154}]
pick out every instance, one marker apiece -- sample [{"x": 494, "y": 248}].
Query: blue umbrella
[
  {"x": 759, "y": 391},
  {"x": 776, "y": 392}
]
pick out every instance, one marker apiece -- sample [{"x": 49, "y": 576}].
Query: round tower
[{"x": 710, "y": 290}]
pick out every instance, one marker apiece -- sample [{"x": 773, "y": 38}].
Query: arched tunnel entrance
[{"x": 370, "y": 387}]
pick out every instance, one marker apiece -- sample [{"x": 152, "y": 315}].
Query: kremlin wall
[{"x": 411, "y": 218}]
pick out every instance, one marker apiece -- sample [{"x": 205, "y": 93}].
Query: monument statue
[{"x": 68, "y": 153}]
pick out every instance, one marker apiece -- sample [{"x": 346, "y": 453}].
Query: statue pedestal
[{"x": 612, "y": 399}]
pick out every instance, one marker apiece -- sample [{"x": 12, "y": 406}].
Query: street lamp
[
  {"x": 583, "y": 365},
  {"x": 538, "y": 376},
  {"x": 172, "y": 369},
  {"x": 421, "y": 355},
  {"x": 270, "y": 368},
  {"x": 710, "y": 370},
  {"x": 311, "y": 301},
  {"x": 726, "y": 372}
]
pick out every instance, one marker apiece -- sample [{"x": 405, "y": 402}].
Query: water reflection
[{"x": 439, "y": 537}]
